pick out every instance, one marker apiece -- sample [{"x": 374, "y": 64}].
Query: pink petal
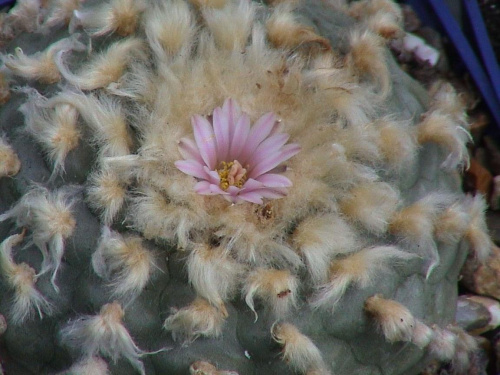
[
  {"x": 272, "y": 180},
  {"x": 233, "y": 112},
  {"x": 274, "y": 160},
  {"x": 267, "y": 148},
  {"x": 221, "y": 130},
  {"x": 241, "y": 130},
  {"x": 205, "y": 139},
  {"x": 251, "y": 185},
  {"x": 192, "y": 168},
  {"x": 272, "y": 193},
  {"x": 251, "y": 196},
  {"x": 206, "y": 188},
  {"x": 233, "y": 190},
  {"x": 203, "y": 188},
  {"x": 260, "y": 130},
  {"x": 189, "y": 150},
  {"x": 212, "y": 176}
]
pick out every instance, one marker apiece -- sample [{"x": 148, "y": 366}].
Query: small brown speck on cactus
[{"x": 172, "y": 170}]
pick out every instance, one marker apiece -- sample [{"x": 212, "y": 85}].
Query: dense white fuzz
[
  {"x": 422, "y": 334},
  {"x": 299, "y": 352},
  {"x": 155, "y": 218},
  {"x": 214, "y": 274},
  {"x": 446, "y": 100},
  {"x": 106, "y": 194},
  {"x": 371, "y": 205},
  {"x": 451, "y": 224},
  {"x": 106, "y": 68},
  {"x": 60, "y": 13},
  {"x": 124, "y": 263},
  {"x": 284, "y": 31},
  {"x": 48, "y": 215},
  {"x": 105, "y": 117},
  {"x": 103, "y": 334},
  {"x": 394, "y": 320},
  {"x": 319, "y": 239},
  {"x": 206, "y": 368},
  {"x": 200, "y": 318},
  {"x": 276, "y": 288},
  {"x": 439, "y": 127},
  {"x": 9, "y": 162},
  {"x": 217, "y": 4},
  {"x": 465, "y": 346},
  {"x": 477, "y": 230},
  {"x": 24, "y": 16},
  {"x": 21, "y": 278},
  {"x": 41, "y": 66},
  {"x": 230, "y": 25},
  {"x": 54, "y": 127},
  {"x": 381, "y": 16},
  {"x": 169, "y": 27},
  {"x": 116, "y": 16},
  {"x": 367, "y": 59},
  {"x": 414, "y": 225},
  {"x": 396, "y": 143},
  {"x": 358, "y": 269},
  {"x": 443, "y": 344},
  {"x": 88, "y": 366}
]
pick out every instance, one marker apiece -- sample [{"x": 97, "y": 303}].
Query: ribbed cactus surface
[{"x": 226, "y": 187}]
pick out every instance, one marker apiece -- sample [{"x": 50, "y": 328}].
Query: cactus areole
[{"x": 226, "y": 187}]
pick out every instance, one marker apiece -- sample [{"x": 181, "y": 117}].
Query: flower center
[{"x": 231, "y": 174}]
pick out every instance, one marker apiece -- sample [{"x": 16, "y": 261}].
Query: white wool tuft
[
  {"x": 106, "y": 68},
  {"x": 231, "y": 25},
  {"x": 41, "y": 66},
  {"x": 48, "y": 215},
  {"x": 443, "y": 344},
  {"x": 169, "y": 29},
  {"x": 200, "y": 318},
  {"x": 213, "y": 274},
  {"x": 9, "y": 161},
  {"x": 124, "y": 263},
  {"x": 115, "y": 16},
  {"x": 441, "y": 128},
  {"x": 277, "y": 289},
  {"x": 21, "y": 278},
  {"x": 105, "y": 117},
  {"x": 358, "y": 269},
  {"x": 106, "y": 194},
  {"x": 299, "y": 352},
  {"x": 88, "y": 366},
  {"x": 422, "y": 334},
  {"x": 320, "y": 238},
  {"x": 394, "y": 320},
  {"x": 372, "y": 205},
  {"x": 54, "y": 127},
  {"x": 477, "y": 231},
  {"x": 103, "y": 334}
]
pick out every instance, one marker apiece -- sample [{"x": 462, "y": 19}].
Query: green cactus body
[{"x": 227, "y": 187}]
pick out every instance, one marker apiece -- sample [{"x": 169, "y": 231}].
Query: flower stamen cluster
[
  {"x": 228, "y": 135},
  {"x": 231, "y": 174}
]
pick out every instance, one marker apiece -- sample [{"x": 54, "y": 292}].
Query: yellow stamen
[{"x": 231, "y": 174}]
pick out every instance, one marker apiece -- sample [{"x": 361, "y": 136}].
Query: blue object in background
[
  {"x": 483, "y": 68},
  {"x": 6, "y": 3}
]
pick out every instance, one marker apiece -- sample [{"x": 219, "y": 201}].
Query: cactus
[{"x": 227, "y": 187}]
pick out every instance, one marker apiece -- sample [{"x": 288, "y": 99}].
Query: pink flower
[{"x": 238, "y": 161}]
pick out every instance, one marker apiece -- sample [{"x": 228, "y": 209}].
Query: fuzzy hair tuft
[
  {"x": 298, "y": 350},
  {"x": 200, "y": 318},
  {"x": 358, "y": 269},
  {"x": 124, "y": 263},
  {"x": 9, "y": 161},
  {"x": 103, "y": 334},
  {"x": 278, "y": 290},
  {"x": 394, "y": 320},
  {"x": 21, "y": 278},
  {"x": 48, "y": 215}
]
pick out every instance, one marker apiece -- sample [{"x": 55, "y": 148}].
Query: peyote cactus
[{"x": 227, "y": 187}]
